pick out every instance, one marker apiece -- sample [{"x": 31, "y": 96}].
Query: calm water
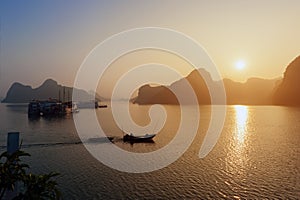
[{"x": 257, "y": 155}]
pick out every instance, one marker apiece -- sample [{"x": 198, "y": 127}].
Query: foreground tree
[{"x": 13, "y": 172}]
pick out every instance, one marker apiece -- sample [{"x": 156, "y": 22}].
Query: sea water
[{"x": 256, "y": 156}]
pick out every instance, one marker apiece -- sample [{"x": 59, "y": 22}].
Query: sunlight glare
[
  {"x": 240, "y": 65},
  {"x": 241, "y": 114}
]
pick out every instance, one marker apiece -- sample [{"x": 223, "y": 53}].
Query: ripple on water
[{"x": 258, "y": 161}]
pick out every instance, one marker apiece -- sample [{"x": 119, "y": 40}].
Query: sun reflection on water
[
  {"x": 241, "y": 118},
  {"x": 237, "y": 158}
]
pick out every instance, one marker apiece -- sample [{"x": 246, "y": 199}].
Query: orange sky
[{"x": 42, "y": 39}]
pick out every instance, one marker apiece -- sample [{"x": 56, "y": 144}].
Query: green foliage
[{"x": 13, "y": 171}]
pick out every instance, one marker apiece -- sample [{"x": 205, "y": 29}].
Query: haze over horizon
[{"x": 50, "y": 39}]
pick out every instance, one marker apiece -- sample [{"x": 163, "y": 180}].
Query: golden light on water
[
  {"x": 237, "y": 158},
  {"x": 241, "y": 118}
]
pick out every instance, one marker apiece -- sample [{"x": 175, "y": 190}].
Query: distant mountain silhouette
[
  {"x": 198, "y": 84},
  {"x": 154, "y": 95},
  {"x": 288, "y": 91},
  {"x": 255, "y": 91},
  {"x": 19, "y": 93},
  {"x": 163, "y": 94}
]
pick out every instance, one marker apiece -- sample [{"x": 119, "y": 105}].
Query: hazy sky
[{"x": 50, "y": 38}]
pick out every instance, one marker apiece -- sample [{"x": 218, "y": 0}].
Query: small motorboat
[
  {"x": 142, "y": 138},
  {"x": 102, "y": 106}
]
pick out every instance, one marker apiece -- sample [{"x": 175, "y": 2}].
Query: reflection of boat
[{"x": 143, "y": 138}]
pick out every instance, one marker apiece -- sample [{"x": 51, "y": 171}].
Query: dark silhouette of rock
[
  {"x": 288, "y": 91},
  {"x": 18, "y": 93},
  {"x": 154, "y": 95},
  {"x": 255, "y": 91},
  {"x": 164, "y": 94},
  {"x": 50, "y": 89},
  {"x": 198, "y": 84}
]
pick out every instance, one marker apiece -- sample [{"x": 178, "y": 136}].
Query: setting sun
[{"x": 240, "y": 64}]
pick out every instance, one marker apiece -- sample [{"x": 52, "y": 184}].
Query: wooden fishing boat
[{"x": 142, "y": 138}]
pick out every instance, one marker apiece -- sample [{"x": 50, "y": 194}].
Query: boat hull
[{"x": 144, "y": 138}]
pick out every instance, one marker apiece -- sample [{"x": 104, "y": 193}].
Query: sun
[{"x": 240, "y": 64}]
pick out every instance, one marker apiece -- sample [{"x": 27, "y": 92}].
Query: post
[
  {"x": 12, "y": 142},
  {"x": 12, "y": 146}
]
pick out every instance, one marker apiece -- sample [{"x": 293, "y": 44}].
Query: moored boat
[
  {"x": 102, "y": 106},
  {"x": 34, "y": 109},
  {"x": 51, "y": 108},
  {"x": 142, "y": 138}
]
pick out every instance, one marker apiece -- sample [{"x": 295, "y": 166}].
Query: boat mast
[
  {"x": 64, "y": 93},
  {"x": 59, "y": 95},
  {"x": 68, "y": 96}
]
